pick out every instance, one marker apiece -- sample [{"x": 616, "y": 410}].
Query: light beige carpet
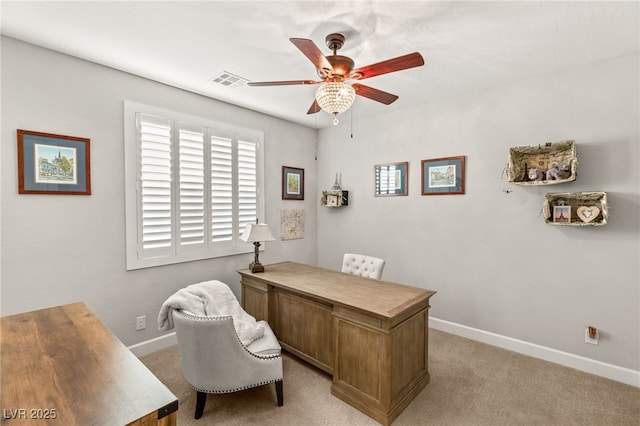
[{"x": 471, "y": 384}]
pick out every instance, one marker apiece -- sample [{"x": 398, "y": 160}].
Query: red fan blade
[
  {"x": 375, "y": 94},
  {"x": 390, "y": 65},
  {"x": 281, "y": 83},
  {"x": 314, "y": 54},
  {"x": 314, "y": 108}
]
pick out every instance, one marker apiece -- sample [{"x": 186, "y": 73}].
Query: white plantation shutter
[
  {"x": 155, "y": 188},
  {"x": 221, "y": 189},
  {"x": 192, "y": 189},
  {"x": 247, "y": 184},
  {"x": 192, "y": 195}
]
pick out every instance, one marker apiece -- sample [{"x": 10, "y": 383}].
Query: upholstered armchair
[
  {"x": 214, "y": 360},
  {"x": 366, "y": 266}
]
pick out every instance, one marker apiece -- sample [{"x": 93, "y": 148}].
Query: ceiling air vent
[{"x": 229, "y": 80}]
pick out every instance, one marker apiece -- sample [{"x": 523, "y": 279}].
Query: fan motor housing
[{"x": 342, "y": 66}]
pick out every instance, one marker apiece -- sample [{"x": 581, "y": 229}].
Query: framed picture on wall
[
  {"x": 390, "y": 179},
  {"x": 443, "y": 176},
  {"x": 53, "y": 164},
  {"x": 292, "y": 183}
]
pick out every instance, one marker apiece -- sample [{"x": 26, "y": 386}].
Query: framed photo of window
[
  {"x": 391, "y": 179},
  {"x": 443, "y": 176},
  {"x": 53, "y": 164},
  {"x": 292, "y": 183}
]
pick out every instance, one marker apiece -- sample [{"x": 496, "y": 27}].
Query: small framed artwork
[
  {"x": 292, "y": 183},
  {"x": 53, "y": 164},
  {"x": 443, "y": 176},
  {"x": 562, "y": 214},
  {"x": 391, "y": 179}
]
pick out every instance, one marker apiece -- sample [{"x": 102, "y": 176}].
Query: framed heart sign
[{"x": 588, "y": 213}]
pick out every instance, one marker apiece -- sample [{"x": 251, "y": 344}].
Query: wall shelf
[
  {"x": 576, "y": 209},
  {"x": 547, "y": 164}
]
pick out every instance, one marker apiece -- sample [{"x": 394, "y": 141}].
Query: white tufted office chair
[
  {"x": 366, "y": 266},
  {"x": 215, "y": 361}
]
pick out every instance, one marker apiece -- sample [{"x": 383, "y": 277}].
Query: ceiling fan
[{"x": 334, "y": 95}]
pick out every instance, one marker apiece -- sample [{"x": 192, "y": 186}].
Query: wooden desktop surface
[
  {"x": 387, "y": 301},
  {"x": 62, "y": 366}
]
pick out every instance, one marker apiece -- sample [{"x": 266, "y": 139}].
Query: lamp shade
[
  {"x": 256, "y": 232},
  {"x": 335, "y": 97}
]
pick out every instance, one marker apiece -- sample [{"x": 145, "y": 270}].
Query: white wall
[
  {"x": 495, "y": 264},
  {"x": 58, "y": 249}
]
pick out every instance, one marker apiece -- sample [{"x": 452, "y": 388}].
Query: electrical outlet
[
  {"x": 141, "y": 322},
  {"x": 591, "y": 338}
]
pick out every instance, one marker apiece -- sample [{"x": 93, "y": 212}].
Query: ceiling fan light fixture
[{"x": 335, "y": 97}]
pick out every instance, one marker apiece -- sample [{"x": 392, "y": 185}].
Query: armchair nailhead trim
[{"x": 238, "y": 389}]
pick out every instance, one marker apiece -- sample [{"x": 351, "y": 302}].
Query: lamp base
[{"x": 256, "y": 267}]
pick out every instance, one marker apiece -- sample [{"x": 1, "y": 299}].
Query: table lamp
[{"x": 254, "y": 233}]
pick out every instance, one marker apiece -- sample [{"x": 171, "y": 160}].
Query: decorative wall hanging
[
  {"x": 391, "y": 179},
  {"x": 53, "y": 164},
  {"x": 546, "y": 164},
  {"x": 443, "y": 176},
  {"x": 576, "y": 209},
  {"x": 291, "y": 224},
  {"x": 292, "y": 183},
  {"x": 334, "y": 198}
]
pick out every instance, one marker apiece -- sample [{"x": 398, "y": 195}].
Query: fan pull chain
[
  {"x": 351, "y": 116},
  {"x": 315, "y": 125}
]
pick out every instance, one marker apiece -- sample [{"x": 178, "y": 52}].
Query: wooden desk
[
  {"x": 62, "y": 366},
  {"x": 371, "y": 335}
]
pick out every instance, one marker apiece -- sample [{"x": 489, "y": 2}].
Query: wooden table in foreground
[
  {"x": 371, "y": 335},
  {"x": 62, "y": 366}
]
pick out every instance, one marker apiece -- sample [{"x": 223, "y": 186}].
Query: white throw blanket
[{"x": 210, "y": 298}]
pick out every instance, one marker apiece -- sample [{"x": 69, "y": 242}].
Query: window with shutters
[{"x": 191, "y": 186}]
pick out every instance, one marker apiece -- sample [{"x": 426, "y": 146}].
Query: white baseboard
[
  {"x": 152, "y": 345},
  {"x": 613, "y": 372}
]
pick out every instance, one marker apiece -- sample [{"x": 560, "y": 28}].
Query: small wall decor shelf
[
  {"x": 546, "y": 164},
  {"x": 576, "y": 209},
  {"x": 335, "y": 198}
]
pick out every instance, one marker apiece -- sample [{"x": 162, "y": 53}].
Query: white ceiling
[{"x": 467, "y": 46}]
